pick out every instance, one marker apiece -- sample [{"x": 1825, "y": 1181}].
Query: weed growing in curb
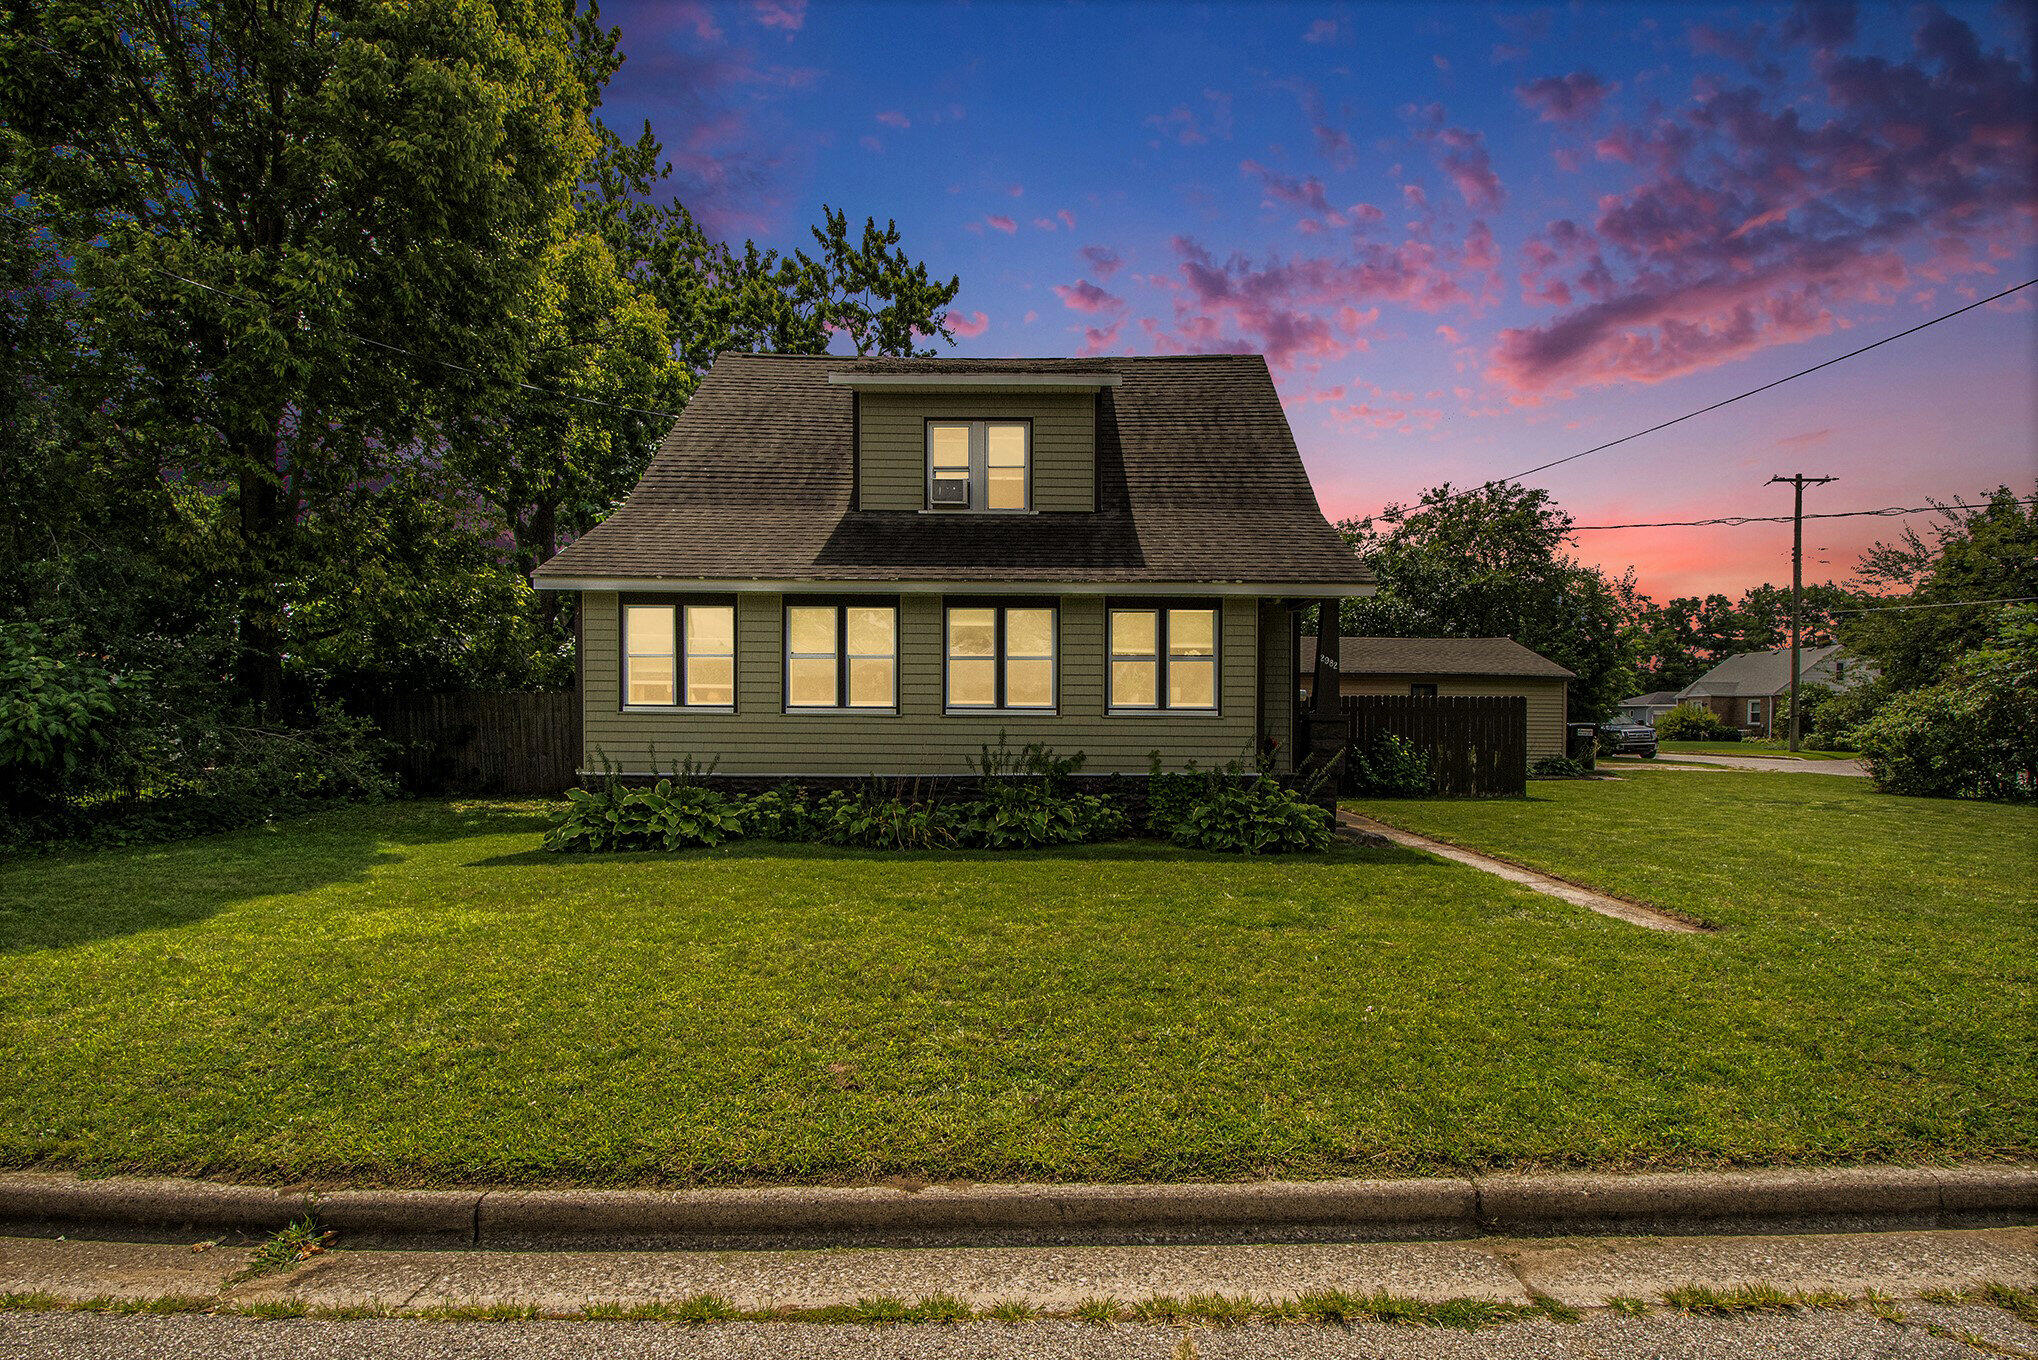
[
  {"x": 299, "y": 1241},
  {"x": 1627, "y": 1307},
  {"x": 1012, "y": 1310},
  {"x": 1098, "y": 1310},
  {"x": 1749, "y": 1298}
]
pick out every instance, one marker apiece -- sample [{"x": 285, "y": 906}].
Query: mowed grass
[{"x": 414, "y": 994}]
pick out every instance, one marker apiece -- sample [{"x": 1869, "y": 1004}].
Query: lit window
[
  {"x": 841, "y": 656},
  {"x": 679, "y": 655},
  {"x": 1163, "y": 657},
  {"x": 978, "y": 464},
  {"x": 1001, "y": 656}
]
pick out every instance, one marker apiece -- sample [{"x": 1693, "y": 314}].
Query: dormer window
[{"x": 979, "y": 464}]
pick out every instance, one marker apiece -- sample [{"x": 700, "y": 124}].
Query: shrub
[
  {"x": 666, "y": 816},
  {"x": 1558, "y": 767},
  {"x": 1974, "y": 734},
  {"x": 1392, "y": 768},
  {"x": 1022, "y": 816},
  {"x": 871, "y": 819},
  {"x": 1256, "y": 815},
  {"x": 1690, "y": 722},
  {"x": 52, "y": 710},
  {"x": 780, "y": 814}
]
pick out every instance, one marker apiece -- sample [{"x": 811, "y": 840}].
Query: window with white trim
[
  {"x": 1754, "y": 713},
  {"x": 842, "y": 656},
  {"x": 1163, "y": 657},
  {"x": 979, "y": 464},
  {"x": 679, "y": 655},
  {"x": 1000, "y": 656}
]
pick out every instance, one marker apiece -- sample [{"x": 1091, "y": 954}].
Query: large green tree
[
  {"x": 1687, "y": 635},
  {"x": 247, "y": 190},
  {"x": 1490, "y": 562},
  {"x": 1963, "y": 556}
]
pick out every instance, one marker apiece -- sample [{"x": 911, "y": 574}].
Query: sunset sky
[{"x": 1468, "y": 238}]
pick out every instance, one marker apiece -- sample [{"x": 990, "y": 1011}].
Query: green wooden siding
[
  {"x": 1277, "y": 681},
  {"x": 892, "y": 444},
  {"x": 761, "y": 738}
]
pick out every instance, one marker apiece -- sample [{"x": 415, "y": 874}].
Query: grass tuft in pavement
[{"x": 1750, "y": 1298}]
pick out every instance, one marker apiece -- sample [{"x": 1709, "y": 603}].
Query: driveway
[{"x": 1852, "y": 768}]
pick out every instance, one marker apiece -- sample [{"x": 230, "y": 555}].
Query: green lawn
[
  {"x": 1747, "y": 748},
  {"x": 415, "y": 994}
]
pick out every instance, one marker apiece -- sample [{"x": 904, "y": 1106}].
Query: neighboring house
[
  {"x": 1744, "y": 691},
  {"x": 1455, "y": 666},
  {"x": 1646, "y": 708},
  {"x": 842, "y": 567}
]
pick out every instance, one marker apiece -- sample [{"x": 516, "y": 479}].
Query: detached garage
[{"x": 1455, "y": 666}]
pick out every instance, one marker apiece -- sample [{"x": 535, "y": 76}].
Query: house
[
  {"x": 1646, "y": 708},
  {"x": 840, "y": 567},
  {"x": 1745, "y": 691},
  {"x": 1455, "y": 666}
]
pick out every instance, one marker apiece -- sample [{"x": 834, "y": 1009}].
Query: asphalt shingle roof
[
  {"x": 1435, "y": 656},
  {"x": 1756, "y": 673},
  {"x": 1198, "y": 481}
]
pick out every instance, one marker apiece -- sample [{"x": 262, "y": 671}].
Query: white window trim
[{"x": 979, "y": 466}]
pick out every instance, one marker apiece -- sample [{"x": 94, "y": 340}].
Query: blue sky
[{"x": 1469, "y": 238}]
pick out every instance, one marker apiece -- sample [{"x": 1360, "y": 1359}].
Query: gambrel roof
[{"x": 1198, "y": 481}]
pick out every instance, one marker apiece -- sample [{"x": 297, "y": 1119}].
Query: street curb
[{"x": 1777, "y": 1201}]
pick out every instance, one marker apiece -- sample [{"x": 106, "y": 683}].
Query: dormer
[{"x": 983, "y": 442}]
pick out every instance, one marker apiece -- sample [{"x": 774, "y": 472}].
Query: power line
[
  {"x": 428, "y": 358},
  {"x": 1950, "y": 604},
  {"x": 1735, "y": 521},
  {"x": 1742, "y": 396}
]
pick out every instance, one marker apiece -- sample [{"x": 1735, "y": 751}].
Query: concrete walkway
[
  {"x": 1579, "y": 1272},
  {"x": 1577, "y": 894}
]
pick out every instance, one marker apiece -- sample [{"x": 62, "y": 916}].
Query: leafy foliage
[
  {"x": 1393, "y": 767},
  {"x": 664, "y": 816},
  {"x": 1986, "y": 554},
  {"x": 1693, "y": 722},
  {"x": 1257, "y": 815},
  {"x": 1974, "y": 734},
  {"x": 1490, "y": 562},
  {"x": 1557, "y": 767},
  {"x": 52, "y": 707},
  {"x": 1688, "y": 635}
]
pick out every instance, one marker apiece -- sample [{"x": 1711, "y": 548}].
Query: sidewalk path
[
  {"x": 1634, "y": 913},
  {"x": 1581, "y": 1272}
]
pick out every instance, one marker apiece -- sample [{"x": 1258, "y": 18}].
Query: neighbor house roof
[
  {"x": 1655, "y": 698},
  {"x": 1755, "y": 673},
  {"x": 1434, "y": 656},
  {"x": 1198, "y": 481}
]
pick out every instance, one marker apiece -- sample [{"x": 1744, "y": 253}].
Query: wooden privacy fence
[
  {"x": 1475, "y": 745},
  {"x": 482, "y": 743}
]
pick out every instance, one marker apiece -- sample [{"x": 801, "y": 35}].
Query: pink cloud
[
  {"x": 1304, "y": 193},
  {"x": 975, "y": 324},
  {"x": 1066, "y": 218},
  {"x": 870, "y": 143},
  {"x": 893, "y": 118},
  {"x": 1187, "y": 126},
  {"x": 1565, "y": 99},
  {"x": 1097, "y": 339},
  {"x": 1044, "y": 223},
  {"x": 1084, "y": 296},
  {"x": 1015, "y": 191},
  {"x": 1753, "y": 218},
  {"x": 1104, "y": 262},
  {"x": 1321, "y": 31},
  {"x": 788, "y": 16},
  {"x": 1000, "y": 222},
  {"x": 1030, "y": 317}
]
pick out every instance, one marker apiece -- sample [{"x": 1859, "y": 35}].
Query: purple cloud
[{"x": 1569, "y": 98}]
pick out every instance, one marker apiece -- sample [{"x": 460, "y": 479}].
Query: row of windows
[{"x": 846, "y": 656}]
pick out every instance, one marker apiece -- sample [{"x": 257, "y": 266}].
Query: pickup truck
[{"x": 1627, "y": 739}]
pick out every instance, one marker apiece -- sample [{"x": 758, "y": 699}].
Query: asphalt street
[{"x": 1851, "y": 1334}]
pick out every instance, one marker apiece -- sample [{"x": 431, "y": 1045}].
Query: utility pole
[{"x": 1798, "y": 482}]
